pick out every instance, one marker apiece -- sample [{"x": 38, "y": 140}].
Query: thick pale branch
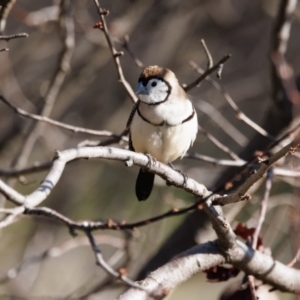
[
  {"x": 111, "y": 153},
  {"x": 130, "y": 158},
  {"x": 160, "y": 282},
  {"x": 202, "y": 257}
]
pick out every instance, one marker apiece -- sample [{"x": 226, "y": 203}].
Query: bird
[{"x": 163, "y": 123}]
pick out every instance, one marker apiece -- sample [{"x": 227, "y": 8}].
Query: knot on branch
[{"x": 128, "y": 162}]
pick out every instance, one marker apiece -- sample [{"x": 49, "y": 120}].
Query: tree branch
[
  {"x": 206, "y": 73},
  {"x": 202, "y": 257},
  {"x": 115, "y": 54}
]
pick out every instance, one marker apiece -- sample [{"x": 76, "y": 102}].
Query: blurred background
[{"x": 166, "y": 33}]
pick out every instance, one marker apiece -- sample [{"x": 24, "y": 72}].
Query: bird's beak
[{"x": 141, "y": 89}]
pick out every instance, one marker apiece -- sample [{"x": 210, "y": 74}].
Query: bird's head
[{"x": 155, "y": 85}]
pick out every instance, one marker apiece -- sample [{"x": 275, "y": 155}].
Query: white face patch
[{"x": 157, "y": 91}]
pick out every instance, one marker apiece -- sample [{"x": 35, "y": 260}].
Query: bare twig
[
  {"x": 6, "y": 6},
  {"x": 239, "y": 114},
  {"x": 281, "y": 33},
  {"x": 206, "y": 73},
  {"x": 13, "y": 36},
  {"x": 265, "y": 165},
  {"x": 263, "y": 207},
  {"x": 50, "y": 121},
  {"x": 67, "y": 30},
  {"x": 61, "y": 250},
  {"x": 213, "y": 160},
  {"x": 221, "y": 121},
  {"x": 205, "y": 256},
  {"x": 220, "y": 145},
  {"x": 15, "y": 172},
  {"x": 262, "y": 214},
  {"x": 102, "y": 263},
  {"x": 295, "y": 259},
  {"x": 11, "y": 217},
  {"x": 210, "y": 61},
  {"x": 115, "y": 54},
  {"x": 285, "y": 73},
  {"x": 285, "y": 172},
  {"x": 252, "y": 288},
  {"x": 282, "y": 26},
  {"x": 4, "y": 49},
  {"x": 125, "y": 45}
]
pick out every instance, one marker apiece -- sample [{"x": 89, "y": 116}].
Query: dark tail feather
[{"x": 144, "y": 185}]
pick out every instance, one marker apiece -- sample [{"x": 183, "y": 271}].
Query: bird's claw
[
  {"x": 185, "y": 178},
  {"x": 151, "y": 161}
]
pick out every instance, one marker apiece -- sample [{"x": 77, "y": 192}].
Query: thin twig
[
  {"x": 280, "y": 37},
  {"x": 295, "y": 259},
  {"x": 13, "y": 36},
  {"x": 263, "y": 207},
  {"x": 210, "y": 61},
  {"x": 6, "y": 7},
  {"x": 50, "y": 121},
  {"x": 265, "y": 165},
  {"x": 213, "y": 160},
  {"x": 252, "y": 288},
  {"x": 125, "y": 45},
  {"x": 115, "y": 54},
  {"x": 206, "y": 73},
  {"x": 221, "y": 121},
  {"x": 239, "y": 114},
  {"x": 60, "y": 250},
  {"x": 219, "y": 145},
  {"x": 285, "y": 172},
  {"x": 36, "y": 167},
  {"x": 102, "y": 263},
  {"x": 11, "y": 215},
  {"x": 68, "y": 38},
  {"x": 4, "y": 49},
  {"x": 283, "y": 24}
]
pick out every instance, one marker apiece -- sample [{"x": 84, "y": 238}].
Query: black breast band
[{"x": 163, "y": 122}]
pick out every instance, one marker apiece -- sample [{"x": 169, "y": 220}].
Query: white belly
[{"x": 165, "y": 143}]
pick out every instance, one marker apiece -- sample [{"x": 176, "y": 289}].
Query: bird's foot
[
  {"x": 151, "y": 162},
  {"x": 185, "y": 177}
]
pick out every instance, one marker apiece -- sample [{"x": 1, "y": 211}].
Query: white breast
[{"x": 166, "y": 143}]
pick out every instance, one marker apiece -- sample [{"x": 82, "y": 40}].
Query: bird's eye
[{"x": 154, "y": 83}]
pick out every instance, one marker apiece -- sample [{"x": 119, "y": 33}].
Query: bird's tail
[{"x": 144, "y": 185}]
